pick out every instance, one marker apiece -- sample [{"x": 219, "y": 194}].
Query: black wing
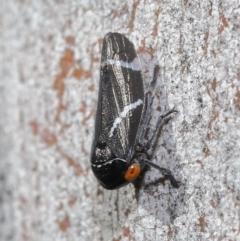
[{"x": 121, "y": 96}]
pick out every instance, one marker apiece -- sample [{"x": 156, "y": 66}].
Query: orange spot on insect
[{"x": 132, "y": 172}]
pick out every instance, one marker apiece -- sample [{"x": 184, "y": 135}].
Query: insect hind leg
[
  {"x": 145, "y": 146},
  {"x": 164, "y": 171},
  {"x": 148, "y": 145},
  {"x": 147, "y": 109}
]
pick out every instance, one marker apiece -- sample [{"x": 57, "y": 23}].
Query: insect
[{"x": 119, "y": 149}]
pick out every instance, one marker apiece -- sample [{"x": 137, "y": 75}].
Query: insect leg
[
  {"x": 148, "y": 99},
  {"x": 164, "y": 171},
  {"x": 149, "y": 143}
]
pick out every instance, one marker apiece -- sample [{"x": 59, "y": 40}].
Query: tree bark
[{"x": 50, "y": 61}]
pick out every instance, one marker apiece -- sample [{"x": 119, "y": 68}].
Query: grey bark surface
[{"x": 49, "y": 76}]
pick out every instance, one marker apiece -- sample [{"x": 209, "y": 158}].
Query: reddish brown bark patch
[
  {"x": 202, "y": 224},
  {"x": 224, "y": 23},
  {"x": 70, "y": 40},
  {"x": 65, "y": 224},
  {"x": 66, "y": 63},
  {"x": 72, "y": 201},
  {"x": 133, "y": 15},
  {"x": 79, "y": 73},
  {"x": 48, "y": 137},
  {"x": 34, "y": 127}
]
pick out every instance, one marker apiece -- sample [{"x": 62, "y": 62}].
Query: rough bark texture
[{"x": 50, "y": 58}]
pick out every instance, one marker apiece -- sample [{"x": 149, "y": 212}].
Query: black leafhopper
[{"x": 119, "y": 149}]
